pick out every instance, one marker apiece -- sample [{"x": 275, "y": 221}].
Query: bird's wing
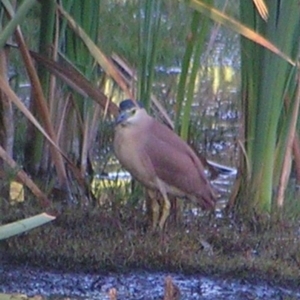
[
  {"x": 175, "y": 162},
  {"x": 177, "y": 149}
]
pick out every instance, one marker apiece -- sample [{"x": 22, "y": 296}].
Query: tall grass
[
  {"x": 267, "y": 81},
  {"x": 150, "y": 19}
]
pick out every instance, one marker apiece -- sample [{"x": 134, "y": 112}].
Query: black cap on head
[{"x": 127, "y": 104}]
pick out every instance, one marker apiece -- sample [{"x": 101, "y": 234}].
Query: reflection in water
[{"x": 138, "y": 285}]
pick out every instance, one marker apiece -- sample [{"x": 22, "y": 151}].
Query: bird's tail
[{"x": 208, "y": 198}]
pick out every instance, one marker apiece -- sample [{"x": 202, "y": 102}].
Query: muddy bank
[{"x": 116, "y": 239}]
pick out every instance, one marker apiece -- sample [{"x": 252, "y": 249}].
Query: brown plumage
[{"x": 158, "y": 158}]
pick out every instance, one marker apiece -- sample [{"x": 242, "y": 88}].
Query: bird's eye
[{"x": 132, "y": 112}]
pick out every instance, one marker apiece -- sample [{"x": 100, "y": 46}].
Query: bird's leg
[
  {"x": 166, "y": 205},
  {"x": 165, "y": 211},
  {"x": 154, "y": 208}
]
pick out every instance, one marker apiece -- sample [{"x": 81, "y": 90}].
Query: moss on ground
[{"x": 105, "y": 239}]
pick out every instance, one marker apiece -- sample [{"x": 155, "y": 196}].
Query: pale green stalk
[
  {"x": 199, "y": 36},
  {"x": 184, "y": 74},
  {"x": 148, "y": 43}
]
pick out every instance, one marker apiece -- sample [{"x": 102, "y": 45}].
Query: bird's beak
[{"x": 121, "y": 117}]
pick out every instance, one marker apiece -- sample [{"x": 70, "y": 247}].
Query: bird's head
[{"x": 129, "y": 112}]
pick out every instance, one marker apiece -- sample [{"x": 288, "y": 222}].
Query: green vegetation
[
  {"x": 79, "y": 71},
  {"x": 270, "y": 105}
]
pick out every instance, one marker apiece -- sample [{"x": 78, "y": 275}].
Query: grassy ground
[{"x": 106, "y": 239}]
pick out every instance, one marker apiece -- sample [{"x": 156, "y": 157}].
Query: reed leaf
[
  {"x": 284, "y": 125},
  {"x": 199, "y": 35},
  {"x": 16, "y": 20},
  {"x": 185, "y": 69},
  {"x": 267, "y": 80},
  {"x": 262, "y": 8},
  {"x": 150, "y": 15},
  {"x": 269, "y": 52},
  {"x": 286, "y": 166},
  {"x": 99, "y": 56},
  {"x": 238, "y": 27},
  {"x": 24, "y": 225},
  {"x": 42, "y": 107},
  {"x": 40, "y": 100},
  {"x": 71, "y": 76},
  {"x": 46, "y": 41},
  {"x": 21, "y": 106},
  {"x": 14, "y": 98}
]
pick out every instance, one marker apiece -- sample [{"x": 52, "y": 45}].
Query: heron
[{"x": 160, "y": 160}]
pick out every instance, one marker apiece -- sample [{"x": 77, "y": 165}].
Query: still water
[{"x": 133, "y": 286}]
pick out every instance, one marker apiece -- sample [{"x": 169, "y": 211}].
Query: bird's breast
[{"x": 129, "y": 151}]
